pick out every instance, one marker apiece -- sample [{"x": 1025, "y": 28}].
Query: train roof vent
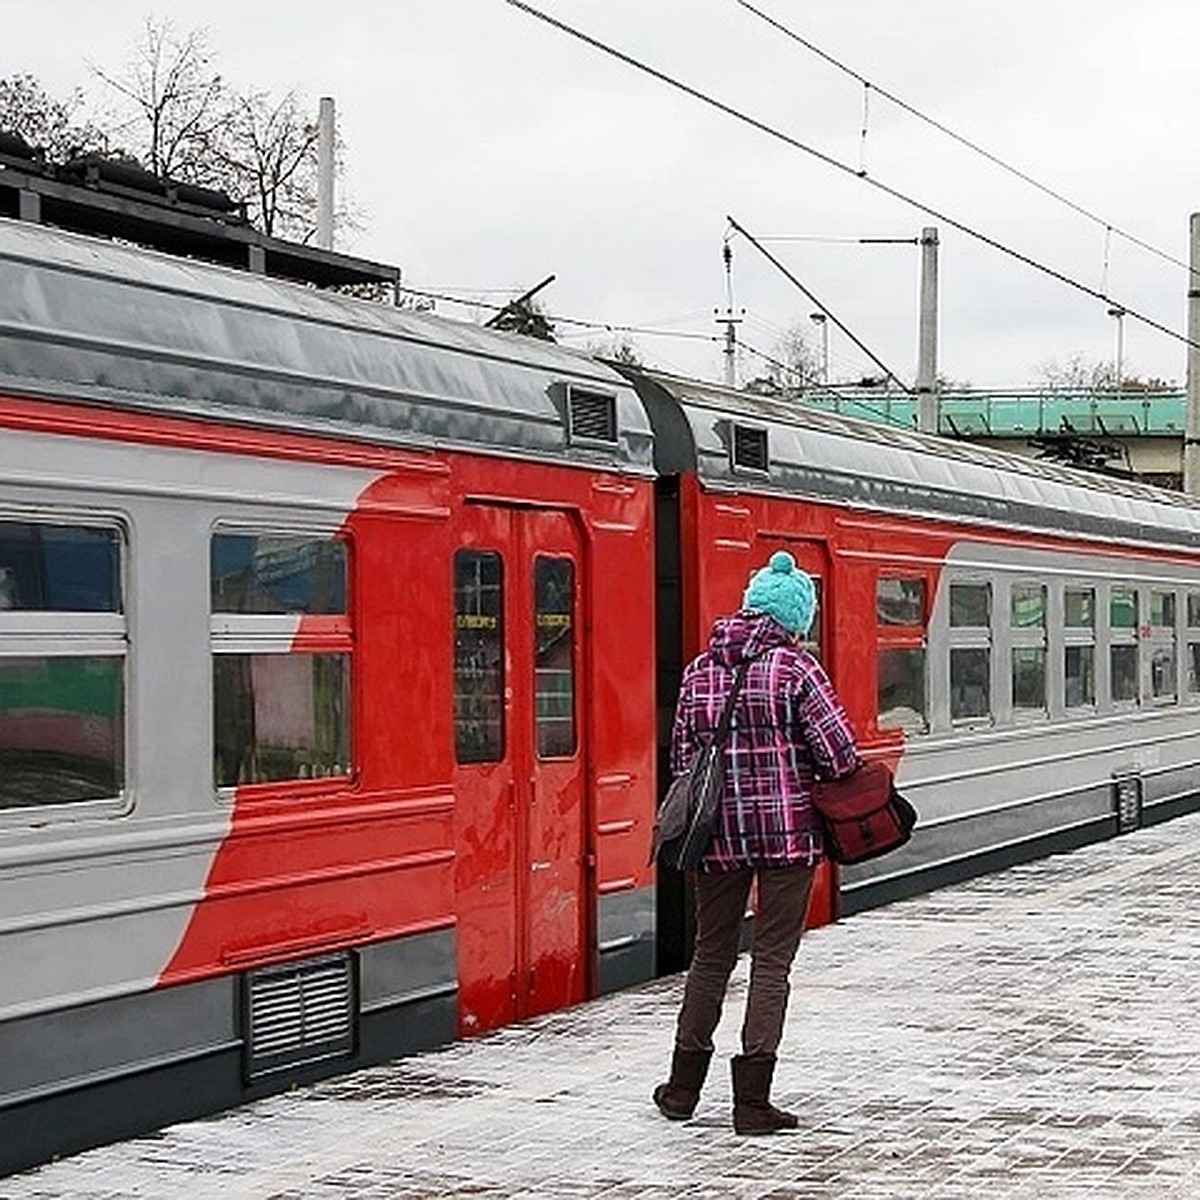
[
  {"x": 299, "y": 1013},
  {"x": 591, "y": 416},
  {"x": 748, "y": 448}
]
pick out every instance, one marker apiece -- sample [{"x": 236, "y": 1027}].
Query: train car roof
[
  {"x": 760, "y": 443},
  {"x": 89, "y": 320}
]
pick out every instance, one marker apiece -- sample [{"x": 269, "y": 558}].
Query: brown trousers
[{"x": 721, "y": 899}]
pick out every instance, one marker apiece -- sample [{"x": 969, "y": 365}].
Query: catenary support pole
[
  {"x": 927, "y": 399},
  {"x": 1191, "y": 440},
  {"x": 325, "y": 161}
]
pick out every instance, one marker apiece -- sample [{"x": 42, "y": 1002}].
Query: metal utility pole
[
  {"x": 1118, "y": 315},
  {"x": 820, "y": 320},
  {"x": 729, "y": 320},
  {"x": 1191, "y": 440},
  {"x": 325, "y": 162},
  {"x": 927, "y": 400}
]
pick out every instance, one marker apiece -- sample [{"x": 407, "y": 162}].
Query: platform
[{"x": 1031, "y": 1035}]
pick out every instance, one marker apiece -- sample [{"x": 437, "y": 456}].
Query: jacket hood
[{"x": 744, "y": 635}]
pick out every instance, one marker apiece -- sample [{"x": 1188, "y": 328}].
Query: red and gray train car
[{"x": 338, "y": 647}]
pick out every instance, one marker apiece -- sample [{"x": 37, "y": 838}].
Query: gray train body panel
[{"x": 124, "y": 326}]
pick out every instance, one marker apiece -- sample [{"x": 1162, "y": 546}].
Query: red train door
[
  {"x": 813, "y": 557},
  {"x": 520, "y": 796}
]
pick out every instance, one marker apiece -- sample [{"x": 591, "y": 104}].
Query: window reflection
[
  {"x": 61, "y": 729},
  {"x": 1079, "y": 676},
  {"x": 554, "y": 669},
  {"x": 900, "y": 602},
  {"x": 59, "y": 568},
  {"x": 280, "y": 717},
  {"x": 902, "y": 690},
  {"x": 970, "y": 683},
  {"x": 278, "y": 573},
  {"x": 478, "y": 656}
]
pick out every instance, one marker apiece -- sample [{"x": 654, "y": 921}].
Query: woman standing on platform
[{"x": 788, "y": 725}]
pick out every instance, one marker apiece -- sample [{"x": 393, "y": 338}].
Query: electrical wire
[
  {"x": 994, "y": 159},
  {"x": 601, "y": 326},
  {"x": 824, "y": 389},
  {"x": 828, "y": 159},
  {"x": 888, "y": 372}
]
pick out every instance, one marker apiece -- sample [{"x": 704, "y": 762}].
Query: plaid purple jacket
[{"x": 788, "y": 724}]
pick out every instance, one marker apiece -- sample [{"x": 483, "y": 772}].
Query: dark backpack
[{"x": 688, "y": 814}]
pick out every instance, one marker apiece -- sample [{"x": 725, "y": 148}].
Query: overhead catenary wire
[
  {"x": 830, "y": 161},
  {"x": 791, "y": 277},
  {"x": 811, "y": 386},
  {"x": 868, "y": 86}
]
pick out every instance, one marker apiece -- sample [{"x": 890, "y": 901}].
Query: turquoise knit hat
[{"x": 784, "y": 591}]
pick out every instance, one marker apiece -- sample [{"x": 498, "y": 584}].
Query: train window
[
  {"x": 280, "y": 717},
  {"x": 62, "y": 729},
  {"x": 970, "y": 606},
  {"x": 1029, "y": 677},
  {"x": 1123, "y": 608},
  {"x": 902, "y": 690},
  {"x": 1079, "y": 676},
  {"x": 1028, "y": 606},
  {"x": 281, "y": 702},
  {"x": 1123, "y": 668},
  {"x": 970, "y": 651},
  {"x": 811, "y": 641},
  {"x": 259, "y": 573},
  {"x": 62, "y": 672},
  {"x": 1193, "y": 643},
  {"x": 58, "y": 568},
  {"x": 970, "y": 683},
  {"x": 1163, "y": 677},
  {"x": 1079, "y": 608},
  {"x": 1079, "y": 648},
  {"x": 1123, "y": 661},
  {"x": 900, "y": 601},
  {"x": 1027, "y": 611},
  {"x": 554, "y": 665},
  {"x": 478, "y": 656}
]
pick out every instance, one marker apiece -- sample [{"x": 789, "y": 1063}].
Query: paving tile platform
[{"x": 1031, "y": 1035}]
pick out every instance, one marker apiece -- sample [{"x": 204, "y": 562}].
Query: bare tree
[
  {"x": 182, "y": 120},
  {"x": 174, "y": 105},
  {"x": 56, "y": 127},
  {"x": 267, "y": 157},
  {"x": 789, "y": 369},
  {"x": 1077, "y": 374}
]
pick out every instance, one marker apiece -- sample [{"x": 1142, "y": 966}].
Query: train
[{"x": 339, "y": 645}]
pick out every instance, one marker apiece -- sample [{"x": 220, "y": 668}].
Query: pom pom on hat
[{"x": 784, "y": 591}]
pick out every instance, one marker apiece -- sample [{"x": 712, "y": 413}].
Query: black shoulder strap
[{"x": 722, "y": 730}]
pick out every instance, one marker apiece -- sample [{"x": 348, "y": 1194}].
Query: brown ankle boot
[
  {"x": 753, "y": 1112},
  {"x": 678, "y": 1097}
]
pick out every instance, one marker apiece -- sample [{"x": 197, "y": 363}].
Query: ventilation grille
[
  {"x": 750, "y": 449},
  {"x": 592, "y": 417},
  {"x": 1127, "y": 802},
  {"x": 300, "y": 1013}
]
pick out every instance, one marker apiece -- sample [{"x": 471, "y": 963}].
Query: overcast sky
[{"x": 487, "y": 150}]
